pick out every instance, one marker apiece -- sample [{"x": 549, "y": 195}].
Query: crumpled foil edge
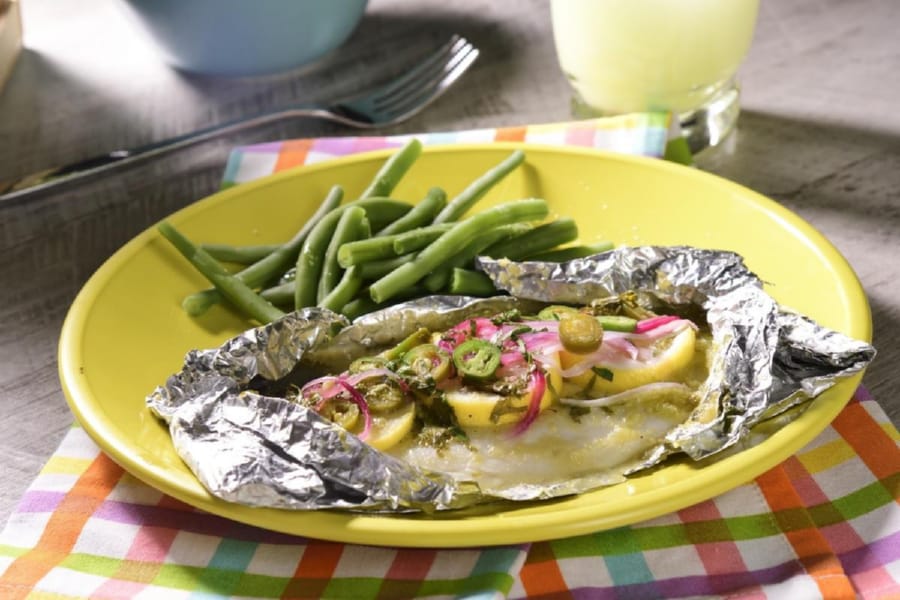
[
  {"x": 248, "y": 445},
  {"x": 767, "y": 360}
]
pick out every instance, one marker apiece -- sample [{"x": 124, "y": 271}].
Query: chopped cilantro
[
  {"x": 603, "y": 372},
  {"x": 511, "y": 316},
  {"x": 576, "y": 412},
  {"x": 515, "y": 333}
]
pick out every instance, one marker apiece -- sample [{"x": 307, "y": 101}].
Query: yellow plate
[{"x": 126, "y": 332}]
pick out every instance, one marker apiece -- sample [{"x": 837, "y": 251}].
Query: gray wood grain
[{"x": 819, "y": 132}]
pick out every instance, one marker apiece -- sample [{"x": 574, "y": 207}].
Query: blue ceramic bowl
[{"x": 246, "y": 37}]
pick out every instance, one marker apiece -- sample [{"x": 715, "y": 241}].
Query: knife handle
[{"x": 106, "y": 162}]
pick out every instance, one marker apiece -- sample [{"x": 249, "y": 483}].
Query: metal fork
[{"x": 387, "y": 104}]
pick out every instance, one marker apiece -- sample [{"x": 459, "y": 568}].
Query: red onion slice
[
  {"x": 538, "y": 387},
  {"x": 342, "y": 385},
  {"x": 645, "y": 325}
]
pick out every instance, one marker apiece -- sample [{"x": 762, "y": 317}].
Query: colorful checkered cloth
[
  {"x": 643, "y": 134},
  {"x": 824, "y": 524}
]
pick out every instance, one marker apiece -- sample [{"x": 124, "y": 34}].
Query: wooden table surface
[{"x": 819, "y": 132}]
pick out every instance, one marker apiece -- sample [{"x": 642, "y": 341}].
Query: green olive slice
[{"x": 580, "y": 333}]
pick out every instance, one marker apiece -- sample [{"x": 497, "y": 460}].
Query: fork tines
[{"x": 428, "y": 79}]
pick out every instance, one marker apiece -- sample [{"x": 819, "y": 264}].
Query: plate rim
[{"x": 499, "y": 528}]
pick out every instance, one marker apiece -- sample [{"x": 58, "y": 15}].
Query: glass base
[
  {"x": 703, "y": 127},
  {"x": 710, "y": 124}
]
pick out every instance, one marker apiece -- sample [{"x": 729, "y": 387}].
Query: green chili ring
[
  {"x": 476, "y": 359},
  {"x": 428, "y": 359}
]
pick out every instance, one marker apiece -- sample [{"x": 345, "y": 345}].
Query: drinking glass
[{"x": 679, "y": 56}]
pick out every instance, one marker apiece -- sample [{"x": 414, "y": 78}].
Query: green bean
[
  {"x": 439, "y": 278},
  {"x": 467, "y": 282},
  {"x": 199, "y": 302},
  {"x": 350, "y": 227},
  {"x": 360, "y": 251},
  {"x": 457, "y": 207},
  {"x": 344, "y": 291},
  {"x": 381, "y": 211},
  {"x": 540, "y": 239},
  {"x": 421, "y": 214},
  {"x": 272, "y": 265},
  {"x": 441, "y": 249},
  {"x": 393, "y": 170},
  {"x": 280, "y": 295},
  {"x": 231, "y": 287},
  {"x": 312, "y": 254},
  {"x": 376, "y": 248},
  {"x": 376, "y": 269},
  {"x": 361, "y": 305},
  {"x": 572, "y": 252},
  {"x": 242, "y": 255},
  {"x": 417, "y": 239}
]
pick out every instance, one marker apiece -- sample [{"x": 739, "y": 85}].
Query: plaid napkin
[
  {"x": 824, "y": 524},
  {"x": 643, "y": 134}
]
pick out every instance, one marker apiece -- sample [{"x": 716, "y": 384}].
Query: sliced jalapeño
[{"x": 476, "y": 359}]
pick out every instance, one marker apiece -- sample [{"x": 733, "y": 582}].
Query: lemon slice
[
  {"x": 474, "y": 408},
  {"x": 387, "y": 430},
  {"x": 665, "y": 366}
]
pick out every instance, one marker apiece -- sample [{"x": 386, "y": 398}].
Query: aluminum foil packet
[{"x": 231, "y": 425}]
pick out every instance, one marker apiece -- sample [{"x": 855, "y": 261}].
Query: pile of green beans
[{"x": 375, "y": 250}]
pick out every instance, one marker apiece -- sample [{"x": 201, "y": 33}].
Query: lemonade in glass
[{"x": 646, "y": 55}]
